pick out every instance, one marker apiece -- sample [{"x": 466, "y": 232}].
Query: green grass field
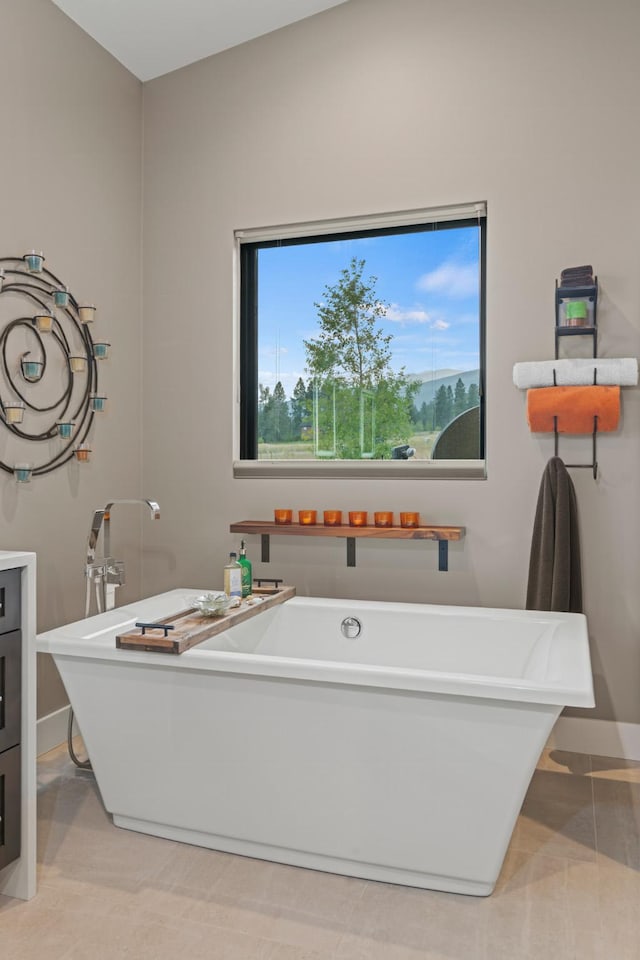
[{"x": 303, "y": 449}]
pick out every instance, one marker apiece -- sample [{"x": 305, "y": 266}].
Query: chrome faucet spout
[
  {"x": 107, "y": 573},
  {"x": 153, "y": 506}
]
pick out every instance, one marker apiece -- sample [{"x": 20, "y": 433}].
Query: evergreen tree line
[
  {"x": 282, "y": 420},
  {"x": 447, "y": 404}
]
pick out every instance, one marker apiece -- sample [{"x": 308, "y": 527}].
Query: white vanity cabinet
[{"x": 17, "y": 725}]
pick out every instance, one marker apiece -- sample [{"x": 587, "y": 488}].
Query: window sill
[{"x": 360, "y": 469}]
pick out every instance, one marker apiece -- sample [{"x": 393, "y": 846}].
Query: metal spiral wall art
[{"x": 49, "y": 373}]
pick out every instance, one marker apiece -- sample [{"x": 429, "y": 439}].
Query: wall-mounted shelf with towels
[
  {"x": 443, "y": 534},
  {"x": 577, "y": 316},
  {"x": 578, "y": 396}
]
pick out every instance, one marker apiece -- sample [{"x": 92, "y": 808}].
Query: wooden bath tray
[{"x": 191, "y": 627}]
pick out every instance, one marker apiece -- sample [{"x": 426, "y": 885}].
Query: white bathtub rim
[
  {"x": 323, "y": 671},
  {"x": 97, "y": 642},
  {"x": 164, "y": 604}
]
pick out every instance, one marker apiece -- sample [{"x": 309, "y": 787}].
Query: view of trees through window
[{"x": 367, "y": 346}]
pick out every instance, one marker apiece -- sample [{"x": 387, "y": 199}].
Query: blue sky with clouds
[{"x": 429, "y": 280}]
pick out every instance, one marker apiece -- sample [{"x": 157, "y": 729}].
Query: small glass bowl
[{"x": 214, "y": 604}]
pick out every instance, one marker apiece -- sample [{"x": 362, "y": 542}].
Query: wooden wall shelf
[{"x": 266, "y": 528}]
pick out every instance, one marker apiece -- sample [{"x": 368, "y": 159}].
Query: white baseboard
[
  {"x": 601, "y": 738},
  {"x": 52, "y": 730}
]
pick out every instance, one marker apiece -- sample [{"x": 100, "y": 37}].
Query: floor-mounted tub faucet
[{"x": 106, "y": 573}]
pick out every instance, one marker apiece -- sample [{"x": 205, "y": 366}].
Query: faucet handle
[
  {"x": 114, "y": 571},
  {"x": 94, "y": 570}
]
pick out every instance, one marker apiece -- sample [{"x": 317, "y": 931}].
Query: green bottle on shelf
[{"x": 247, "y": 576}]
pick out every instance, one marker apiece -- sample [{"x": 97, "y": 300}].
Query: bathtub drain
[{"x": 351, "y": 627}]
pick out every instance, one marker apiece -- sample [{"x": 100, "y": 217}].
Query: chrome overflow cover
[{"x": 350, "y": 627}]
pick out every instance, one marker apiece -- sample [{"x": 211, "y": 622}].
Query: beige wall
[
  {"x": 375, "y": 105},
  {"x": 382, "y": 105},
  {"x": 70, "y": 179}
]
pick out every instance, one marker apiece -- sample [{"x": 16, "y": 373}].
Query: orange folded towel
[{"x": 575, "y": 408}]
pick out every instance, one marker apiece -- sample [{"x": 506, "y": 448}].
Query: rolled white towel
[{"x": 575, "y": 372}]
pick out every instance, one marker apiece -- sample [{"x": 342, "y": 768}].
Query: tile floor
[{"x": 569, "y": 888}]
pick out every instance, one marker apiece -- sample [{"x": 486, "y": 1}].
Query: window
[{"x": 362, "y": 346}]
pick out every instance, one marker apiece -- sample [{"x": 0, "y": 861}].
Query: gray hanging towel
[{"x": 555, "y": 578}]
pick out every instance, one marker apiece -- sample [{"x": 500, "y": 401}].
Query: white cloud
[
  {"x": 452, "y": 279},
  {"x": 417, "y": 315},
  {"x": 397, "y": 314}
]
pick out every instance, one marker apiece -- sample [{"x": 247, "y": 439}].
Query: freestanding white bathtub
[{"x": 401, "y": 755}]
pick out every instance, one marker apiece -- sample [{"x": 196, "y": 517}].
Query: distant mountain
[
  {"x": 444, "y": 378},
  {"x": 427, "y": 375}
]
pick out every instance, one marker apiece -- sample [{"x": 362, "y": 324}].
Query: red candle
[
  {"x": 332, "y": 518},
  {"x": 283, "y": 516},
  {"x": 307, "y": 517}
]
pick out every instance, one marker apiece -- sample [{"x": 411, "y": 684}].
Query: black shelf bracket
[
  {"x": 265, "y": 547},
  {"x": 351, "y": 551},
  {"x": 443, "y": 549}
]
